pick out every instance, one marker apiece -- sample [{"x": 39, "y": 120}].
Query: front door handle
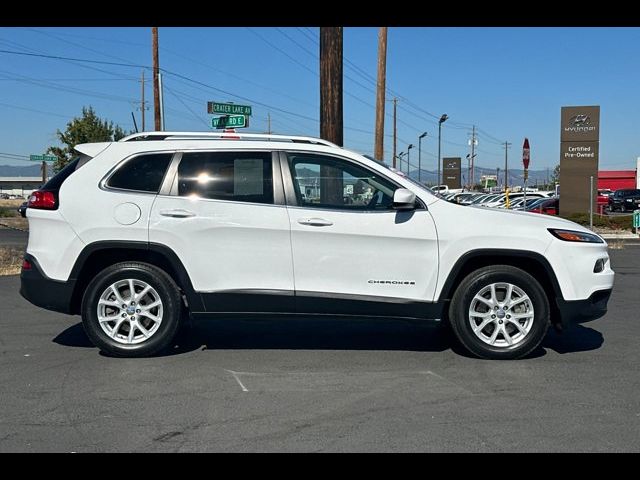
[
  {"x": 177, "y": 213},
  {"x": 315, "y": 222}
]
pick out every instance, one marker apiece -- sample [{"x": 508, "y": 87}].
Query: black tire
[
  {"x": 472, "y": 285},
  {"x": 165, "y": 287},
  {"x": 623, "y": 208}
]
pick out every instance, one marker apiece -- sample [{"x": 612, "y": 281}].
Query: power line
[
  {"x": 84, "y": 47},
  {"x": 74, "y": 79},
  {"x": 294, "y": 60},
  {"x": 198, "y": 118},
  {"x": 78, "y": 91},
  {"x": 359, "y": 70},
  {"x": 14, "y": 155},
  {"x": 108, "y": 40},
  {"x": 233, "y": 75},
  {"x": 36, "y": 111},
  {"x": 58, "y": 57},
  {"x": 133, "y": 65}
]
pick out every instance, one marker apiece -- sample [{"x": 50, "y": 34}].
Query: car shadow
[
  {"x": 73, "y": 336},
  {"x": 294, "y": 334},
  {"x": 334, "y": 334},
  {"x": 578, "y": 338}
]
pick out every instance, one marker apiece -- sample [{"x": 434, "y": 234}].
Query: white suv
[{"x": 136, "y": 234}]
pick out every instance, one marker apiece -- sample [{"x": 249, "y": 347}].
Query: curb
[
  {"x": 611, "y": 236},
  {"x": 4, "y": 225}
]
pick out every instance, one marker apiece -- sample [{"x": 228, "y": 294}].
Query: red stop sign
[{"x": 526, "y": 153}]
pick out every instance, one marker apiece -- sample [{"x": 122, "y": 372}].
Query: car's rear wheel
[
  {"x": 131, "y": 309},
  {"x": 499, "y": 312}
]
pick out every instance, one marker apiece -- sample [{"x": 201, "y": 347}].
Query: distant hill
[{"x": 26, "y": 171}]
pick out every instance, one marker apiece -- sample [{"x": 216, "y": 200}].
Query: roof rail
[{"x": 151, "y": 136}]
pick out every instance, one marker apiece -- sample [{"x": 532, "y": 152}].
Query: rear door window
[{"x": 234, "y": 176}]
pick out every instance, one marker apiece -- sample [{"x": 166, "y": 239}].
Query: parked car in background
[
  {"x": 602, "y": 200},
  {"x": 625, "y": 200},
  {"x": 520, "y": 205},
  {"x": 22, "y": 209},
  {"x": 549, "y": 206}
]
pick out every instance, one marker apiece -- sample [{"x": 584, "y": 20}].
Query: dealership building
[{"x": 618, "y": 179}]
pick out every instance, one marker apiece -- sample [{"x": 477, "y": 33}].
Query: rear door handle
[
  {"x": 315, "y": 222},
  {"x": 177, "y": 213}
]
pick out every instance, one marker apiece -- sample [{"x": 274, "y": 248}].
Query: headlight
[{"x": 573, "y": 236}]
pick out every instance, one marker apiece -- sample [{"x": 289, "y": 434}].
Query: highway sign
[
  {"x": 43, "y": 158},
  {"x": 636, "y": 219},
  {"x": 228, "y": 108},
  {"x": 230, "y": 121}
]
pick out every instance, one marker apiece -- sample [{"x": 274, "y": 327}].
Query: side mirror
[{"x": 404, "y": 199}]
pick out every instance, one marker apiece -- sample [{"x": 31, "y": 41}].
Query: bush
[
  {"x": 6, "y": 212},
  {"x": 622, "y": 222}
]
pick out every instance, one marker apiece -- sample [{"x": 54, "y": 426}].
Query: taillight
[
  {"x": 26, "y": 265},
  {"x": 43, "y": 200}
]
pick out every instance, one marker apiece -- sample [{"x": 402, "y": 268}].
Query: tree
[{"x": 86, "y": 129}]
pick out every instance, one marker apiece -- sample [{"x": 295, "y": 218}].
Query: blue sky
[{"x": 509, "y": 82}]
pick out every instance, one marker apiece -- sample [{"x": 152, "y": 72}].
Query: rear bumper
[
  {"x": 44, "y": 292},
  {"x": 580, "y": 311}
]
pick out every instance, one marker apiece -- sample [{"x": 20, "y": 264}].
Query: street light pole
[
  {"x": 443, "y": 119},
  {"x": 420, "y": 155},
  {"x": 400, "y": 155},
  {"x": 408, "y": 158}
]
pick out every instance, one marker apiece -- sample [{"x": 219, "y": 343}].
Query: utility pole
[
  {"x": 497, "y": 177},
  {"x": 331, "y": 122},
  {"x": 331, "y": 84},
  {"x": 380, "y": 95},
  {"x": 473, "y": 153},
  {"x": 269, "y": 123},
  {"x": 395, "y": 130},
  {"x": 547, "y": 178},
  {"x": 143, "y": 104},
  {"x": 156, "y": 78},
  {"x": 43, "y": 168},
  {"x": 507, "y": 145},
  {"x": 161, "y": 89}
]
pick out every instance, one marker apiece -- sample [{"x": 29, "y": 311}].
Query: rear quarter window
[
  {"x": 143, "y": 173},
  {"x": 55, "y": 182}
]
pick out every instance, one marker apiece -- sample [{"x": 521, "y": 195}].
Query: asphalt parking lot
[
  {"x": 320, "y": 385},
  {"x": 13, "y": 237}
]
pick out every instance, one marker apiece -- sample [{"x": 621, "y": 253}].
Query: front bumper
[
  {"x": 580, "y": 311},
  {"x": 44, "y": 292}
]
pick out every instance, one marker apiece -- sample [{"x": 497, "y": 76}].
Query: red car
[
  {"x": 603, "y": 200},
  {"x": 549, "y": 206}
]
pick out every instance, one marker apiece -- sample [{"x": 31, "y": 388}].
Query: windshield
[{"x": 406, "y": 177}]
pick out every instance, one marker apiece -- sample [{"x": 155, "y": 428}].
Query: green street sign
[
  {"x": 228, "y": 108},
  {"x": 636, "y": 219},
  {"x": 43, "y": 158},
  {"x": 230, "y": 121}
]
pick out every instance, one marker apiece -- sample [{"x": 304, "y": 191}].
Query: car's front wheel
[
  {"x": 131, "y": 309},
  {"x": 499, "y": 312}
]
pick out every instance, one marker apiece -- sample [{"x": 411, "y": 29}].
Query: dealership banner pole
[
  {"x": 526, "y": 158},
  {"x": 591, "y": 203}
]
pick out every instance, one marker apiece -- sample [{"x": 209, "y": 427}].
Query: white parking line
[{"x": 235, "y": 375}]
